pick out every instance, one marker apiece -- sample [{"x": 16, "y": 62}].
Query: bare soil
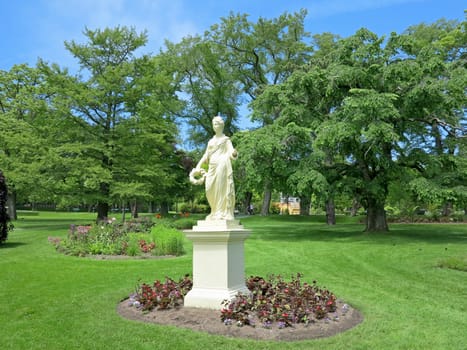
[
  {"x": 128, "y": 257},
  {"x": 209, "y": 321}
]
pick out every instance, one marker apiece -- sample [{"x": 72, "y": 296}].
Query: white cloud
[
  {"x": 62, "y": 21},
  {"x": 162, "y": 19}
]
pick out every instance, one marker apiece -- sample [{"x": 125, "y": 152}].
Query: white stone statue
[{"x": 220, "y": 189}]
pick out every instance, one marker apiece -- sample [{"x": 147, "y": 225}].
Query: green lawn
[{"x": 52, "y": 301}]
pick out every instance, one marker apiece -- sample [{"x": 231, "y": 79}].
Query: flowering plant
[
  {"x": 275, "y": 300},
  {"x": 162, "y": 295}
]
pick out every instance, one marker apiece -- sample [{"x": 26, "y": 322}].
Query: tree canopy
[{"x": 349, "y": 118}]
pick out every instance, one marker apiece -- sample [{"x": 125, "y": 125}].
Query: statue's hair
[{"x": 219, "y": 118}]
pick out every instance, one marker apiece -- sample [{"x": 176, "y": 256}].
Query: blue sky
[{"x": 30, "y": 29}]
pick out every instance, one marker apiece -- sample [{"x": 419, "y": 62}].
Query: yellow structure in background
[{"x": 289, "y": 205}]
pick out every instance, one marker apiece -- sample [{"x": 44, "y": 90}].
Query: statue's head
[{"x": 217, "y": 121}]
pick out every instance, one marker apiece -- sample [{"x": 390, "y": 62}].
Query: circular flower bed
[{"x": 275, "y": 309}]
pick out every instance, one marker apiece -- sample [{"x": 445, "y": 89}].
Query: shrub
[
  {"x": 142, "y": 224},
  {"x": 132, "y": 245},
  {"x": 5, "y": 224},
  {"x": 184, "y": 223},
  {"x": 275, "y": 208},
  {"x": 458, "y": 217},
  {"x": 167, "y": 240},
  {"x": 185, "y": 208}
]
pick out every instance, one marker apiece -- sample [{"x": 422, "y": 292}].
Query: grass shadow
[
  {"x": 38, "y": 223},
  {"x": 294, "y": 228},
  {"x": 10, "y": 245}
]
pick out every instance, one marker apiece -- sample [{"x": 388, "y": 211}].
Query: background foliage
[{"x": 340, "y": 120}]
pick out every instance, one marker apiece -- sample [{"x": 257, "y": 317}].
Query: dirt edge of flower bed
[{"x": 208, "y": 321}]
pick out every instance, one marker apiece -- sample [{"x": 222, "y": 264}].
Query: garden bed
[
  {"x": 208, "y": 321},
  {"x": 274, "y": 309}
]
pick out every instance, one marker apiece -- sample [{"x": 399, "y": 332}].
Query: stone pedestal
[{"x": 218, "y": 263}]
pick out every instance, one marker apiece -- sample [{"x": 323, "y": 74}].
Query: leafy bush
[
  {"x": 180, "y": 222},
  {"x": 142, "y": 224},
  {"x": 199, "y": 209},
  {"x": 5, "y": 224},
  {"x": 184, "y": 223},
  {"x": 132, "y": 247},
  {"x": 275, "y": 208},
  {"x": 458, "y": 217},
  {"x": 167, "y": 240},
  {"x": 275, "y": 300}
]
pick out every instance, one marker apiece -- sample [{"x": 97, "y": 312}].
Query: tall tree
[
  {"x": 262, "y": 54},
  {"x": 23, "y": 114},
  {"x": 265, "y": 160},
  {"x": 380, "y": 103},
  {"x": 305, "y": 101},
  {"x": 208, "y": 84},
  {"x": 438, "y": 104},
  {"x": 109, "y": 104}
]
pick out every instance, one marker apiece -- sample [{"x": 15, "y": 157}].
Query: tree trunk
[
  {"x": 355, "y": 206},
  {"x": 305, "y": 203},
  {"x": 102, "y": 205},
  {"x": 330, "y": 211},
  {"x": 123, "y": 214},
  {"x": 247, "y": 202},
  {"x": 447, "y": 208},
  {"x": 102, "y": 211},
  {"x": 134, "y": 210},
  {"x": 266, "y": 200},
  {"x": 11, "y": 205},
  {"x": 376, "y": 216},
  {"x": 164, "y": 208}
]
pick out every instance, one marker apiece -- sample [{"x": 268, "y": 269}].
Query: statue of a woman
[{"x": 220, "y": 189}]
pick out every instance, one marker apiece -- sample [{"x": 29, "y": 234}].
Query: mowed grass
[{"x": 52, "y": 301}]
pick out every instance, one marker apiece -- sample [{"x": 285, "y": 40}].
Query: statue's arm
[
  {"x": 232, "y": 151},
  {"x": 204, "y": 159}
]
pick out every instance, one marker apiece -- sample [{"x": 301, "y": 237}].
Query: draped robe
[{"x": 220, "y": 189}]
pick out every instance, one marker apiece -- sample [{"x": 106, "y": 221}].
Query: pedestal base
[
  {"x": 212, "y": 298},
  {"x": 218, "y": 263}
]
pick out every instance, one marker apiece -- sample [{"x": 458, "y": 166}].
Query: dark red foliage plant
[
  {"x": 271, "y": 301},
  {"x": 162, "y": 295},
  {"x": 275, "y": 300}
]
